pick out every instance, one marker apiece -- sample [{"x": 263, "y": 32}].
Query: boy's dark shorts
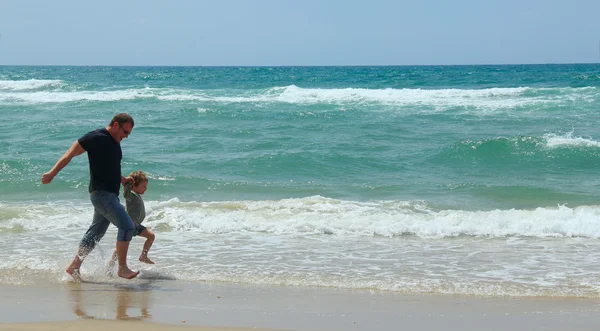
[{"x": 138, "y": 229}]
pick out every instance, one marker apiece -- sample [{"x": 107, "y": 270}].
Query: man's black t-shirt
[{"x": 104, "y": 155}]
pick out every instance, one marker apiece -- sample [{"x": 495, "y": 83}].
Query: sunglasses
[{"x": 124, "y": 131}]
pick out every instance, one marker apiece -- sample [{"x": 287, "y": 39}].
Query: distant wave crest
[
  {"x": 434, "y": 99},
  {"x": 29, "y": 84}
]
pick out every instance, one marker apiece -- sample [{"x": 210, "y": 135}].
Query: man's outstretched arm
[{"x": 75, "y": 150}]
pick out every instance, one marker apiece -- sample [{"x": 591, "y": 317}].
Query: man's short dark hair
[{"x": 122, "y": 118}]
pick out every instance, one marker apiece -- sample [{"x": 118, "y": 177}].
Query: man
[{"x": 104, "y": 155}]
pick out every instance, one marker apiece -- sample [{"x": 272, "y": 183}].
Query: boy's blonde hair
[{"x": 138, "y": 177}]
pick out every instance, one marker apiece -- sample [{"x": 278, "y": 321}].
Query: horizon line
[{"x": 293, "y": 66}]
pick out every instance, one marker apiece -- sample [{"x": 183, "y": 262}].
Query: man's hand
[
  {"x": 125, "y": 180},
  {"x": 75, "y": 150},
  {"x": 47, "y": 177}
]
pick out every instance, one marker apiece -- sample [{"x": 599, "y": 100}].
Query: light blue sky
[{"x": 306, "y": 32}]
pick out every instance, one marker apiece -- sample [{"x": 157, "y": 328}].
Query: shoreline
[{"x": 205, "y": 306}]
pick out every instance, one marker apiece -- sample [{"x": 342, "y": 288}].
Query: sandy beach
[{"x": 146, "y": 304}]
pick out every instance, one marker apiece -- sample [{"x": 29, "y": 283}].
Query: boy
[{"x": 136, "y": 210}]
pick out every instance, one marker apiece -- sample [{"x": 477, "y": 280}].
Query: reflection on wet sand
[{"x": 101, "y": 300}]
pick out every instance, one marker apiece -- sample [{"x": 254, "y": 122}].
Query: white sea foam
[
  {"x": 29, "y": 84},
  {"x": 326, "y": 242},
  {"x": 492, "y": 98},
  {"x": 295, "y": 94},
  {"x": 40, "y": 217},
  {"x": 60, "y": 97},
  {"x": 554, "y": 140},
  {"x": 318, "y": 216},
  {"x": 441, "y": 99}
]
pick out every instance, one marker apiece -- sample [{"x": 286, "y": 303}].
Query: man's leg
[
  {"x": 92, "y": 236},
  {"x": 124, "y": 271},
  {"x": 116, "y": 214}
]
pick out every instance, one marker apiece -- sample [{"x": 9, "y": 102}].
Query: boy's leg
[
  {"x": 113, "y": 258},
  {"x": 149, "y": 235},
  {"x": 111, "y": 264}
]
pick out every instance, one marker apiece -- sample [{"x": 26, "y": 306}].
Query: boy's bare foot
[
  {"x": 74, "y": 273},
  {"x": 127, "y": 273},
  {"x": 145, "y": 259},
  {"x": 110, "y": 268}
]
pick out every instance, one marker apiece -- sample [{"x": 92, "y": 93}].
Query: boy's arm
[{"x": 75, "y": 150}]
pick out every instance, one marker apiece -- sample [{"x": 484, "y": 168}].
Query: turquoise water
[
  {"x": 472, "y": 137},
  {"x": 421, "y": 156}
]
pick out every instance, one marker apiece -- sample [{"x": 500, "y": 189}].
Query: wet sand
[{"x": 149, "y": 304}]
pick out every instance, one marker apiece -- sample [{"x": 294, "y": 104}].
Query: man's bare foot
[
  {"x": 127, "y": 273},
  {"x": 82, "y": 314},
  {"x": 74, "y": 273},
  {"x": 145, "y": 259}
]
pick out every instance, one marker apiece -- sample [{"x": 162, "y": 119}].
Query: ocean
[{"x": 468, "y": 180}]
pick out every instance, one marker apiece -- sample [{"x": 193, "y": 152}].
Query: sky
[{"x": 298, "y": 33}]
